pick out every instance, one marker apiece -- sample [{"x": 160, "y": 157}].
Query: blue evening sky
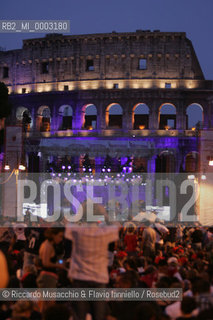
[{"x": 96, "y": 16}]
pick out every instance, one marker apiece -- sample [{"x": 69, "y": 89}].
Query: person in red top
[{"x": 130, "y": 241}]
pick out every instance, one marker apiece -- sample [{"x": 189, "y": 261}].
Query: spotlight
[
  {"x": 191, "y": 177},
  {"x": 22, "y": 167},
  {"x": 7, "y": 167}
]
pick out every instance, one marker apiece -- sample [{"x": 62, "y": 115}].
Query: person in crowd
[
  {"x": 28, "y": 280},
  {"x": 89, "y": 259},
  {"x": 161, "y": 233},
  {"x": 130, "y": 241},
  {"x": 184, "y": 261},
  {"x": 4, "y": 274},
  {"x": 197, "y": 238},
  {"x": 150, "y": 276},
  {"x": 147, "y": 311},
  {"x": 49, "y": 265},
  {"x": 25, "y": 310},
  {"x": 34, "y": 238},
  {"x": 56, "y": 312},
  {"x": 188, "y": 308},
  {"x": 148, "y": 241}
]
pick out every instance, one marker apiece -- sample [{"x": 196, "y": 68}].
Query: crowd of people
[{"x": 98, "y": 255}]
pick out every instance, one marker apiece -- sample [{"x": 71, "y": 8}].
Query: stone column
[
  {"x": 180, "y": 116},
  {"x": 33, "y": 118},
  {"x": 77, "y": 121},
  {"x": 101, "y": 123},
  {"x": 153, "y": 116},
  {"x": 207, "y": 114},
  {"x": 127, "y": 117},
  {"x": 151, "y": 165},
  {"x": 54, "y": 117}
]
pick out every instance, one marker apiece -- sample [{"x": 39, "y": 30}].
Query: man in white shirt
[
  {"x": 89, "y": 259},
  {"x": 161, "y": 231}
]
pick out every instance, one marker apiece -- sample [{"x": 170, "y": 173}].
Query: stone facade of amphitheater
[{"x": 121, "y": 94}]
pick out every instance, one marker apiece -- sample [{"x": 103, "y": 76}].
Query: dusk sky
[{"x": 95, "y": 16}]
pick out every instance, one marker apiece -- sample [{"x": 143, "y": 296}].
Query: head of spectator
[
  {"x": 188, "y": 305},
  {"x": 205, "y": 314},
  {"x": 22, "y": 310},
  {"x": 57, "y": 311},
  {"x": 54, "y": 235},
  {"x": 147, "y": 311},
  {"x": 29, "y": 277},
  {"x": 200, "y": 286},
  {"x": 130, "y": 264},
  {"x": 150, "y": 276},
  {"x": 162, "y": 267},
  {"x": 128, "y": 279}
]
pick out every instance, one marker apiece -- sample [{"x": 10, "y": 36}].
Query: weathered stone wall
[{"x": 113, "y": 56}]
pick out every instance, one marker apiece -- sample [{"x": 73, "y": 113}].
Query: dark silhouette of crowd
[{"x": 142, "y": 255}]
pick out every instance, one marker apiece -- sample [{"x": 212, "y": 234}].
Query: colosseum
[{"x": 136, "y": 99}]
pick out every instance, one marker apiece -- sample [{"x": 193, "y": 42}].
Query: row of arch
[
  {"x": 113, "y": 117},
  {"x": 164, "y": 162}
]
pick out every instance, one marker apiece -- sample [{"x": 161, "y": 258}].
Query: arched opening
[
  {"x": 90, "y": 117},
  {"x": 139, "y": 164},
  {"x": 66, "y": 116},
  {"x": 140, "y": 116},
  {"x": 167, "y": 117},
  {"x": 165, "y": 162},
  {"x": 24, "y": 117},
  {"x": 194, "y": 116},
  {"x": 192, "y": 162},
  {"x": 114, "y": 115},
  {"x": 44, "y": 118}
]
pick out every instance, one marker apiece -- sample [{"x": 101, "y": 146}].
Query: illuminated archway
[
  {"x": 167, "y": 116},
  {"x": 43, "y": 118},
  {"x": 194, "y": 116},
  {"x": 66, "y": 116},
  {"x": 89, "y": 115},
  {"x": 140, "y": 116},
  {"x": 24, "y": 117},
  {"x": 165, "y": 162},
  {"x": 192, "y": 162},
  {"x": 114, "y": 116}
]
